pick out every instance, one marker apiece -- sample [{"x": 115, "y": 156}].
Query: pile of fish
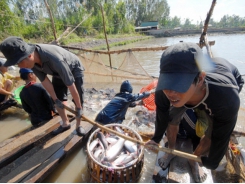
[{"x": 113, "y": 151}]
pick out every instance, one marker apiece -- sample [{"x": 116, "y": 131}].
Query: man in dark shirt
[
  {"x": 115, "y": 110},
  {"x": 65, "y": 68},
  {"x": 214, "y": 96},
  {"x": 35, "y": 99}
]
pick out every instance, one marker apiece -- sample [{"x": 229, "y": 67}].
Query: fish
[
  {"x": 103, "y": 140},
  {"x": 119, "y": 130},
  {"x": 120, "y": 159},
  {"x": 93, "y": 144},
  {"x": 128, "y": 158},
  {"x": 130, "y": 146},
  {"x": 99, "y": 152},
  {"x": 114, "y": 150},
  {"x": 111, "y": 140}
]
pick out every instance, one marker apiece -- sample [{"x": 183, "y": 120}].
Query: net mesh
[{"x": 123, "y": 67}]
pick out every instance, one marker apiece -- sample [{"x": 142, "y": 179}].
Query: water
[{"x": 73, "y": 168}]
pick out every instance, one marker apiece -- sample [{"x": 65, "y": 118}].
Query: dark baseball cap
[
  {"x": 179, "y": 66},
  {"x": 15, "y": 50},
  {"x": 25, "y": 70}
]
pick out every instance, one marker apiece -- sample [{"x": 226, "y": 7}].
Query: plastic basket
[
  {"x": 149, "y": 102},
  {"x": 17, "y": 94}
]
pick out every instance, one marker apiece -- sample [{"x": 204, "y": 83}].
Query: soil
[{"x": 102, "y": 42}]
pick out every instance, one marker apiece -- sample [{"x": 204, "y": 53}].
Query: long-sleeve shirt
[
  {"x": 221, "y": 103},
  {"x": 116, "y": 109},
  {"x": 37, "y": 102}
]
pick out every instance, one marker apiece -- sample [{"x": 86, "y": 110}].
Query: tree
[{"x": 9, "y": 23}]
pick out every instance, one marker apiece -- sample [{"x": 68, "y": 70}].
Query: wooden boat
[{"x": 32, "y": 156}]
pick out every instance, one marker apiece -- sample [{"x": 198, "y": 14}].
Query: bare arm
[
  {"x": 49, "y": 87},
  {"x": 75, "y": 95}
]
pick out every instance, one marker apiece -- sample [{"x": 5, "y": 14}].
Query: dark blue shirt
[{"x": 115, "y": 110}]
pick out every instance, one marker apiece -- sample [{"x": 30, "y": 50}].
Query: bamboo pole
[
  {"x": 108, "y": 47},
  {"x": 78, "y": 25},
  {"x": 51, "y": 18},
  {"x": 139, "y": 49},
  {"x": 202, "y": 41},
  {"x": 160, "y": 148}
]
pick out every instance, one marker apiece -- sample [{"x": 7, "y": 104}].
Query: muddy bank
[{"x": 101, "y": 43}]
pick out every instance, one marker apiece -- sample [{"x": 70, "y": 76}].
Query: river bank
[{"x": 100, "y": 44}]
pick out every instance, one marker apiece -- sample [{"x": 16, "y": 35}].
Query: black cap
[
  {"x": 179, "y": 66},
  {"x": 15, "y": 50}
]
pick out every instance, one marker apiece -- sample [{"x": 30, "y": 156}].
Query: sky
[{"x": 196, "y": 10}]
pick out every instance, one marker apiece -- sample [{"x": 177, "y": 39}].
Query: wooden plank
[
  {"x": 28, "y": 138},
  {"x": 13, "y": 165},
  {"x": 47, "y": 167},
  {"x": 179, "y": 170},
  {"x": 37, "y": 159}
]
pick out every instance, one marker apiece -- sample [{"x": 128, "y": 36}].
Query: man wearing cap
[
  {"x": 44, "y": 59},
  {"x": 35, "y": 99},
  {"x": 214, "y": 96},
  {"x": 6, "y": 83}
]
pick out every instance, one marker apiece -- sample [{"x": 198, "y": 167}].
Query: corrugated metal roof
[{"x": 150, "y": 23}]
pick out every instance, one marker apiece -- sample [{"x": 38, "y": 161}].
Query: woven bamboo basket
[{"x": 101, "y": 173}]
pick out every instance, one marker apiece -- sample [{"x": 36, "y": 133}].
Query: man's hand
[
  {"x": 79, "y": 112},
  {"x": 59, "y": 104},
  {"x": 151, "y": 145}
]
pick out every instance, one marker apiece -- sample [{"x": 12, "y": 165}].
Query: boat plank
[
  {"x": 28, "y": 138},
  {"x": 47, "y": 167},
  {"x": 38, "y": 158}
]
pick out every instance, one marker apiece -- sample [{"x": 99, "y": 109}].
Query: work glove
[
  {"x": 79, "y": 112},
  {"x": 59, "y": 104}
]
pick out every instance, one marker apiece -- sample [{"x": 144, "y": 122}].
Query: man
[
  {"x": 6, "y": 82},
  {"x": 213, "y": 95},
  {"x": 115, "y": 110},
  {"x": 35, "y": 99},
  {"x": 44, "y": 59}
]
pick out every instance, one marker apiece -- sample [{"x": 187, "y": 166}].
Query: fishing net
[{"x": 124, "y": 66}]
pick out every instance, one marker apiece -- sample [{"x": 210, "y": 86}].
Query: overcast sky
[{"x": 197, "y": 10}]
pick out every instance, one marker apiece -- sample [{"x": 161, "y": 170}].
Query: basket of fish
[{"x": 111, "y": 158}]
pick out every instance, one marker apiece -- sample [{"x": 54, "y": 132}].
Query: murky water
[{"x": 73, "y": 168}]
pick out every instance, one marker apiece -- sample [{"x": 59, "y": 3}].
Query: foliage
[{"x": 32, "y": 20}]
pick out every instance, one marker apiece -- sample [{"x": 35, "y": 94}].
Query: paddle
[{"x": 160, "y": 148}]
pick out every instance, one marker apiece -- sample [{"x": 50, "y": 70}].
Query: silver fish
[
  {"x": 127, "y": 159},
  {"x": 114, "y": 150},
  {"x": 111, "y": 140},
  {"x": 93, "y": 144},
  {"x": 119, "y": 130},
  {"x": 120, "y": 159},
  {"x": 102, "y": 138},
  {"x": 130, "y": 146}
]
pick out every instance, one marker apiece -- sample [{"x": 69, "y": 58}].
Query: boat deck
[{"x": 32, "y": 156}]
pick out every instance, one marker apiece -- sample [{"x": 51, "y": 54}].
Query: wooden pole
[
  {"x": 51, "y": 18},
  {"x": 78, "y": 25},
  {"x": 203, "y": 39},
  {"x": 108, "y": 47},
  {"x": 167, "y": 150}
]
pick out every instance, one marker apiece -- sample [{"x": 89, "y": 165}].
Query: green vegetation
[{"x": 31, "y": 20}]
